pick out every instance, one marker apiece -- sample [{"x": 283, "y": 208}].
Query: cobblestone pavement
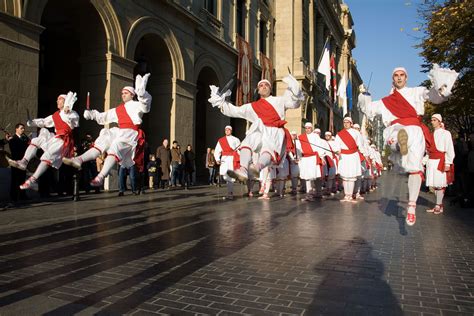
[{"x": 190, "y": 252}]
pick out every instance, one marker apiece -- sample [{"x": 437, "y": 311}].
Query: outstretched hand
[{"x": 140, "y": 84}]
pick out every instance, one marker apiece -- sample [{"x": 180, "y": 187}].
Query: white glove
[
  {"x": 292, "y": 83},
  {"x": 71, "y": 98},
  {"x": 88, "y": 115},
  {"x": 217, "y": 99},
  {"x": 363, "y": 101},
  {"x": 140, "y": 84},
  {"x": 30, "y": 123},
  {"x": 442, "y": 79}
]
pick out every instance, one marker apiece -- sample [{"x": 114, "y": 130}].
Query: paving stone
[{"x": 176, "y": 252}]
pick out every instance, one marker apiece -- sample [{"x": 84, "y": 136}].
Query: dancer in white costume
[
  {"x": 119, "y": 142},
  {"x": 311, "y": 161},
  {"x": 401, "y": 113},
  {"x": 54, "y": 145},
  {"x": 349, "y": 141},
  {"x": 439, "y": 169},
  {"x": 227, "y": 157},
  {"x": 267, "y": 134}
]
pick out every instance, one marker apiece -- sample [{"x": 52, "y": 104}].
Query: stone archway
[
  {"x": 152, "y": 56},
  {"x": 73, "y": 51},
  {"x": 209, "y": 125},
  {"x": 32, "y": 10}
]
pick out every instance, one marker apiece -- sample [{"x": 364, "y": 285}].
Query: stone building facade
[{"x": 48, "y": 47}]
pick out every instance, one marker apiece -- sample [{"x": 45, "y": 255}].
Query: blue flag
[{"x": 349, "y": 95}]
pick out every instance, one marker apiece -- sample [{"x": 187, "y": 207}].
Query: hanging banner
[
  {"x": 267, "y": 67},
  {"x": 244, "y": 72}
]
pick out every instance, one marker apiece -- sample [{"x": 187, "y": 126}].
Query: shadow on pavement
[{"x": 352, "y": 283}]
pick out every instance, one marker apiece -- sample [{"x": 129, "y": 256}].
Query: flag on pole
[
  {"x": 341, "y": 92},
  {"x": 324, "y": 67},
  {"x": 333, "y": 79},
  {"x": 349, "y": 95}
]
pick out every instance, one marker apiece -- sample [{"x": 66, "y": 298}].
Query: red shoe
[
  {"x": 434, "y": 210},
  {"x": 28, "y": 183},
  {"x": 439, "y": 211},
  {"x": 264, "y": 197},
  {"x": 97, "y": 181},
  {"x": 411, "y": 217}
]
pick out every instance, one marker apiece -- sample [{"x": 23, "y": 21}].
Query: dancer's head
[
  {"x": 264, "y": 88},
  {"x": 399, "y": 77},
  {"x": 294, "y": 135},
  {"x": 60, "y": 101},
  {"x": 308, "y": 127},
  {"x": 436, "y": 120},
  {"x": 328, "y": 136},
  {"x": 347, "y": 122},
  {"x": 127, "y": 93},
  {"x": 228, "y": 130}
]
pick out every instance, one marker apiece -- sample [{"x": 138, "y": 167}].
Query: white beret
[{"x": 129, "y": 89}]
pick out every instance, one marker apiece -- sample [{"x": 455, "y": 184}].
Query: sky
[{"x": 385, "y": 39}]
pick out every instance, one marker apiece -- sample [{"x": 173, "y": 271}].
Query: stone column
[{"x": 19, "y": 69}]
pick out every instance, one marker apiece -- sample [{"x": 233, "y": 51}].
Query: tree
[{"x": 449, "y": 41}]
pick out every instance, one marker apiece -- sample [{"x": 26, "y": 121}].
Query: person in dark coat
[
  {"x": 189, "y": 158},
  {"x": 18, "y": 144},
  {"x": 163, "y": 158}
]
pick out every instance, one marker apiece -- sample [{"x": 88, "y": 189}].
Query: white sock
[
  {"x": 89, "y": 155},
  {"x": 108, "y": 164},
  {"x": 264, "y": 161},
  {"x": 245, "y": 156},
  {"x": 30, "y": 152},
  {"x": 309, "y": 187},
  {"x": 42, "y": 167},
  {"x": 439, "y": 196},
  {"x": 414, "y": 184},
  {"x": 350, "y": 187},
  {"x": 230, "y": 187}
]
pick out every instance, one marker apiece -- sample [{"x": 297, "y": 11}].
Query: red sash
[
  {"x": 434, "y": 153},
  {"x": 349, "y": 141},
  {"x": 124, "y": 120},
  {"x": 139, "y": 157},
  {"x": 406, "y": 113},
  {"x": 64, "y": 131},
  {"x": 228, "y": 151},
  {"x": 269, "y": 116},
  {"x": 307, "y": 149},
  {"x": 331, "y": 161}
]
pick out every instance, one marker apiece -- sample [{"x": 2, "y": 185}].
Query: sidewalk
[{"x": 186, "y": 252}]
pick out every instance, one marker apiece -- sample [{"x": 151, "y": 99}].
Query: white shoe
[
  {"x": 239, "y": 174},
  {"x": 73, "y": 162},
  {"x": 18, "y": 164},
  {"x": 28, "y": 183},
  {"x": 97, "y": 181}
]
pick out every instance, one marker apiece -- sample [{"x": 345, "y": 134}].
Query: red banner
[
  {"x": 267, "y": 67},
  {"x": 244, "y": 72}
]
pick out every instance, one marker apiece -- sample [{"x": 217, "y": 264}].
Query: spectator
[
  {"x": 163, "y": 160},
  {"x": 175, "y": 163},
  {"x": 18, "y": 144},
  {"x": 123, "y": 172},
  {"x": 152, "y": 168},
  {"x": 189, "y": 158}
]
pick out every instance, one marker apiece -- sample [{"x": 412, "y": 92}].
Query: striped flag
[{"x": 333, "y": 79}]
